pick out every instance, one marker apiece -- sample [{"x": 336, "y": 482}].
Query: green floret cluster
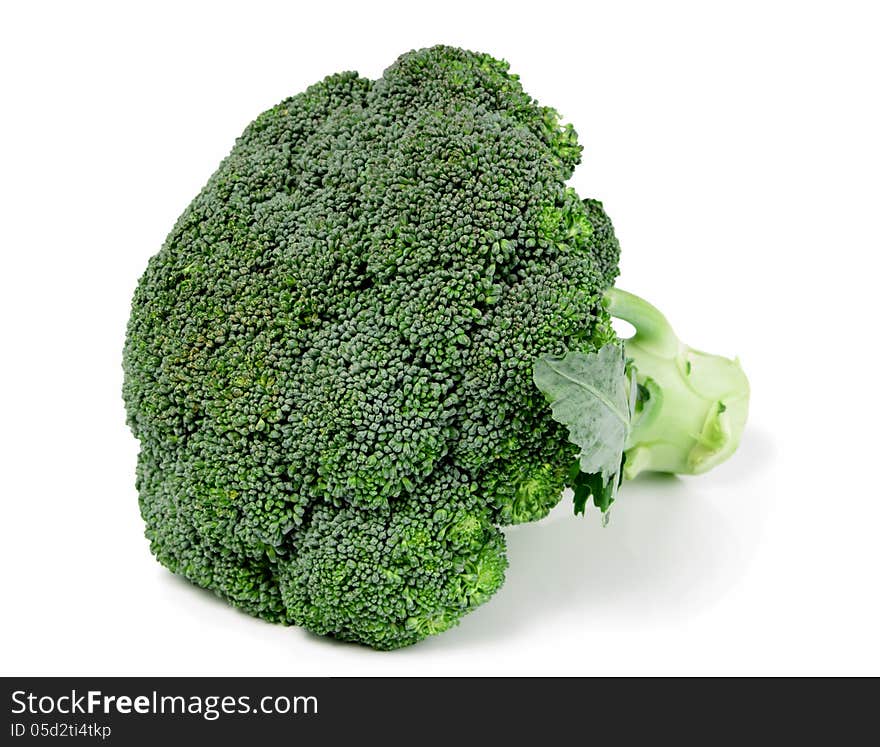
[
  {"x": 329, "y": 363},
  {"x": 341, "y": 363}
]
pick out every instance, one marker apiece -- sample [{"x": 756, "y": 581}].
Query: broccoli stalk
[
  {"x": 650, "y": 404},
  {"x": 691, "y": 407}
]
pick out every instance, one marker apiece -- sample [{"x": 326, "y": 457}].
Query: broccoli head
[{"x": 329, "y": 363}]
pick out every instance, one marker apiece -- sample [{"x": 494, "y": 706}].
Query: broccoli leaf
[
  {"x": 593, "y": 396},
  {"x": 592, "y": 486}
]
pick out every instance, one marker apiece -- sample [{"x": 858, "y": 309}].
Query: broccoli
[{"x": 382, "y": 332}]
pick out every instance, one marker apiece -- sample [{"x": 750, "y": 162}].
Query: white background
[{"x": 737, "y": 153}]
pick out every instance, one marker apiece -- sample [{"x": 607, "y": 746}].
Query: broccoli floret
[
  {"x": 329, "y": 363},
  {"x": 392, "y": 576}
]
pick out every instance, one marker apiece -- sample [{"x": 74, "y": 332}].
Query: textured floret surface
[{"x": 328, "y": 363}]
